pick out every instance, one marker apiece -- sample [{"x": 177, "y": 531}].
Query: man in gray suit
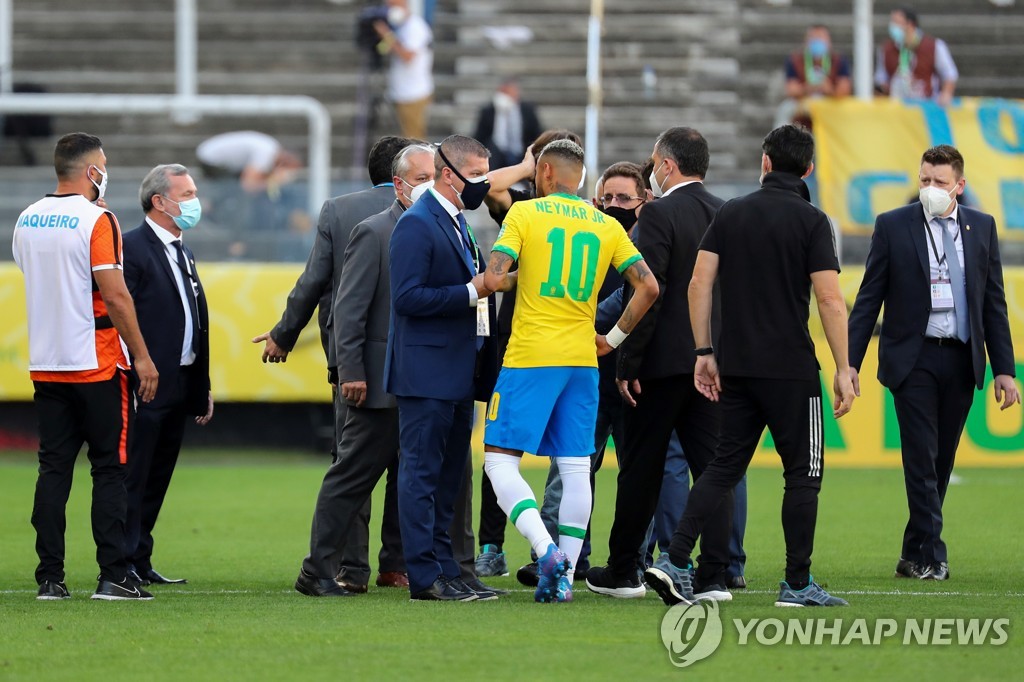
[
  {"x": 369, "y": 438},
  {"x": 317, "y": 285}
]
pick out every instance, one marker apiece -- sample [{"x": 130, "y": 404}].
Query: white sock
[
  {"x": 574, "y": 511},
  {"x": 516, "y": 499}
]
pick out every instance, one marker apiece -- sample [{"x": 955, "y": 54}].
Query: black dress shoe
[
  {"x": 937, "y": 571},
  {"x": 155, "y": 578},
  {"x": 910, "y": 569},
  {"x": 311, "y": 586},
  {"x": 442, "y": 590},
  {"x": 478, "y": 585},
  {"x": 482, "y": 592}
]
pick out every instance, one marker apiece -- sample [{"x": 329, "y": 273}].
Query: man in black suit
[
  {"x": 935, "y": 266},
  {"x": 161, "y": 275},
  {"x": 507, "y": 125},
  {"x": 317, "y": 286},
  {"x": 369, "y": 440},
  {"x": 655, "y": 373}
]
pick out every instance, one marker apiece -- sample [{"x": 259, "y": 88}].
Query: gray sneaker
[
  {"x": 491, "y": 562},
  {"x": 812, "y": 595},
  {"x": 672, "y": 584}
]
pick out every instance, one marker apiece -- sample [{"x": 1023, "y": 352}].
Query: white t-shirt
[
  {"x": 413, "y": 80},
  {"x": 238, "y": 150}
]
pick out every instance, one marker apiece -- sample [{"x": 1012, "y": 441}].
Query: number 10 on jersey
[{"x": 585, "y": 249}]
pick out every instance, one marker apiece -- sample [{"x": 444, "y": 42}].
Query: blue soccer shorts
[{"x": 548, "y": 411}]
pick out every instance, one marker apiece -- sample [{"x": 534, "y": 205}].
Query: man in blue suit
[
  {"x": 935, "y": 267},
  {"x": 161, "y": 275},
  {"x": 440, "y": 317}
]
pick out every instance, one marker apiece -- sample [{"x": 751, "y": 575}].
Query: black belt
[{"x": 945, "y": 341}]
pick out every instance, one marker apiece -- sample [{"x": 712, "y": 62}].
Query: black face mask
[
  {"x": 473, "y": 193},
  {"x": 625, "y": 216}
]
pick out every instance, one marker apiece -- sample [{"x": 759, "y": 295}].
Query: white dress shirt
[
  {"x": 673, "y": 188},
  {"x": 188, "y": 355},
  {"x": 942, "y": 324}
]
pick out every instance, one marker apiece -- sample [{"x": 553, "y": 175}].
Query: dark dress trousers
[
  {"x": 659, "y": 353},
  {"x": 316, "y": 286},
  {"x": 368, "y": 445},
  {"x": 932, "y": 386},
  {"x": 155, "y": 438}
]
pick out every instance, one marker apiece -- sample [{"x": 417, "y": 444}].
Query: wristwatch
[{"x": 708, "y": 350}]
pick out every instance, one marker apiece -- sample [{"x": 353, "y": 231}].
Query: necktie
[
  {"x": 468, "y": 251},
  {"x": 467, "y": 245},
  {"x": 957, "y": 282},
  {"x": 187, "y": 278}
]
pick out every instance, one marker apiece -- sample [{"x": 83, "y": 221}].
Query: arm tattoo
[
  {"x": 627, "y": 322},
  {"x": 500, "y": 263},
  {"x": 637, "y": 272}
]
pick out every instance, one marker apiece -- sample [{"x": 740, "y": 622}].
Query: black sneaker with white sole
[
  {"x": 52, "y": 590},
  {"x": 126, "y": 590},
  {"x": 711, "y": 592},
  {"x": 603, "y": 581}
]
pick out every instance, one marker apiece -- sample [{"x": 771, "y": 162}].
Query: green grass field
[{"x": 237, "y": 525}]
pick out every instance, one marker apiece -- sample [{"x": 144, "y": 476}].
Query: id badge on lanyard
[
  {"x": 941, "y": 286},
  {"x": 483, "y": 318},
  {"x": 942, "y": 292}
]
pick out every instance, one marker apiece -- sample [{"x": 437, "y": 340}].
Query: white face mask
[
  {"x": 101, "y": 186},
  {"x": 583, "y": 179},
  {"x": 655, "y": 187},
  {"x": 397, "y": 15},
  {"x": 503, "y": 102},
  {"x": 419, "y": 190},
  {"x": 936, "y": 201}
]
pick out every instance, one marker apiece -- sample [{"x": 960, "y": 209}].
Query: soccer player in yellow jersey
[{"x": 545, "y": 401}]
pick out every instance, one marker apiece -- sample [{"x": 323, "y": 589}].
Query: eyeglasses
[{"x": 621, "y": 198}]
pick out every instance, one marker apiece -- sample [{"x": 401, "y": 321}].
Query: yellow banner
[
  {"x": 246, "y": 300},
  {"x": 868, "y": 155}
]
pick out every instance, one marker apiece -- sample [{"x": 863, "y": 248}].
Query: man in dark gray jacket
[
  {"x": 316, "y": 286},
  {"x": 369, "y": 438}
]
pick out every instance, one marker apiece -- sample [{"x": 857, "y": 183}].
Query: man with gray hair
[
  {"x": 368, "y": 444},
  {"x": 161, "y": 275}
]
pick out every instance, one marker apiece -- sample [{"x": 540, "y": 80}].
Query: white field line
[{"x": 579, "y": 588}]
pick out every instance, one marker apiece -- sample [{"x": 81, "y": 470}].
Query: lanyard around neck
[{"x": 931, "y": 238}]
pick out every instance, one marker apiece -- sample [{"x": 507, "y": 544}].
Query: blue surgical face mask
[
  {"x": 897, "y": 34},
  {"x": 817, "y": 47},
  {"x": 191, "y": 212}
]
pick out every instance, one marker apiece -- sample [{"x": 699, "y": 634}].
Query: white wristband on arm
[{"x": 616, "y": 336}]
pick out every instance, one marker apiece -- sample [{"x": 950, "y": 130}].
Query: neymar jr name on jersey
[{"x": 580, "y": 210}]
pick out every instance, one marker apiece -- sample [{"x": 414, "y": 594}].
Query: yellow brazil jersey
[{"x": 564, "y": 247}]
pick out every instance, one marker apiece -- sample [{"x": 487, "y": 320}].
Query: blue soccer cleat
[{"x": 552, "y": 566}]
